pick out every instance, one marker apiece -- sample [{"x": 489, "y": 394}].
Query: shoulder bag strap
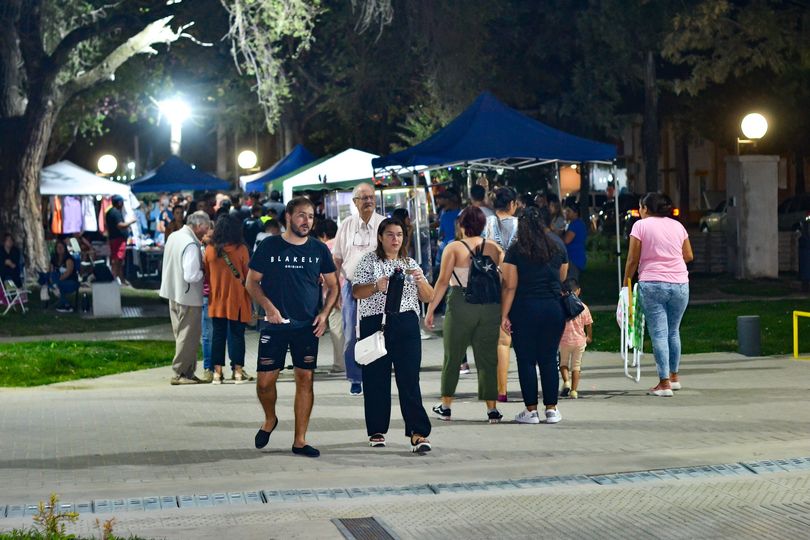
[
  {"x": 357, "y": 319},
  {"x": 235, "y": 272}
]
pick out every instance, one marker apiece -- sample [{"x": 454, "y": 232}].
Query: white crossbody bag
[{"x": 372, "y": 347}]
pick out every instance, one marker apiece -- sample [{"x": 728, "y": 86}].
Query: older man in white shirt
[
  {"x": 356, "y": 236},
  {"x": 182, "y": 285}
]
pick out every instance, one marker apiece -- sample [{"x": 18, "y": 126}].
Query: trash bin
[{"x": 748, "y": 335}]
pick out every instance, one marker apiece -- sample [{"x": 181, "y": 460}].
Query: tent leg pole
[{"x": 616, "y": 219}]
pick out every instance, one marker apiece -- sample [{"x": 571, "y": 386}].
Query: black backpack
[{"x": 484, "y": 281}]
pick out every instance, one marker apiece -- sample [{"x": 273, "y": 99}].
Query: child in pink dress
[{"x": 576, "y": 336}]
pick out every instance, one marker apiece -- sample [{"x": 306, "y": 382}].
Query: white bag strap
[{"x": 357, "y": 318}]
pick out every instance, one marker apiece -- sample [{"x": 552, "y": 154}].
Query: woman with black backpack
[{"x": 470, "y": 269}]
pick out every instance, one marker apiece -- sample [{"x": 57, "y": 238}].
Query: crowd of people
[
  {"x": 503, "y": 269},
  {"x": 503, "y": 263}
]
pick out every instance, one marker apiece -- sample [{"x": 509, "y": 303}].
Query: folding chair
[
  {"x": 13, "y": 296},
  {"x": 631, "y": 321}
]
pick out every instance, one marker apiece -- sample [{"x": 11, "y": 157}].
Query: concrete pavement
[{"x": 133, "y": 435}]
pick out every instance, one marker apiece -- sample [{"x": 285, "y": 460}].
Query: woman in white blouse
[{"x": 402, "y": 339}]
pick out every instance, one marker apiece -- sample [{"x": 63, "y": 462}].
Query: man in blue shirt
[
  {"x": 447, "y": 219},
  {"x": 575, "y": 235}
]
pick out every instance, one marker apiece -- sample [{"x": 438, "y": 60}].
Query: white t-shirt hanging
[{"x": 89, "y": 219}]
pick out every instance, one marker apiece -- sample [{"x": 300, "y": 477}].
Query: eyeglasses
[{"x": 364, "y": 198}]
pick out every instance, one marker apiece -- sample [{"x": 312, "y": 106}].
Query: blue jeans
[
  {"x": 349, "y": 311},
  {"x": 207, "y": 333},
  {"x": 664, "y": 304},
  {"x": 207, "y": 336}
]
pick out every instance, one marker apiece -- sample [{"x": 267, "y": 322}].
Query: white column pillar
[{"x": 753, "y": 239}]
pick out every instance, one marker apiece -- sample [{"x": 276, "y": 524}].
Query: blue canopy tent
[
  {"x": 489, "y": 134},
  {"x": 177, "y": 175},
  {"x": 297, "y": 158}
]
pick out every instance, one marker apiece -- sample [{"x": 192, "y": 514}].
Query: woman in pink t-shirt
[{"x": 659, "y": 250}]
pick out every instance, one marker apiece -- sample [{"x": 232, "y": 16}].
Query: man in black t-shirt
[
  {"x": 284, "y": 278},
  {"x": 253, "y": 225}
]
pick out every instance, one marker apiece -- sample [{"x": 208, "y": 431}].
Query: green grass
[
  {"x": 41, "y": 321},
  {"x": 713, "y": 327},
  {"x": 45, "y": 323},
  {"x": 46, "y": 362}
]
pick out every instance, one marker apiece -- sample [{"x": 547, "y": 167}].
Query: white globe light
[
  {"x": 107, "y": 164},
  {"x": 754, "y": 126},
  {"x": 175, "y": 110},
  {"x": 247, "y": 159}
]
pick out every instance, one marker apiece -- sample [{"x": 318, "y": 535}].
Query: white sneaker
[
  {"x": 553, "y": 416},
  {"x": 675, "y": 385},
  {"x": 527, "y": 417}
]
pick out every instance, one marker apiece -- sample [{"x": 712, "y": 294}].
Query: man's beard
[{"x": 297, "y": 231}]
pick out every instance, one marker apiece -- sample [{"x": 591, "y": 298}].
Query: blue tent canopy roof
[
  {"x": 492, "y": 134},
  {"x": 177, "y": 175},
  {"x": 297, "y": 158}
]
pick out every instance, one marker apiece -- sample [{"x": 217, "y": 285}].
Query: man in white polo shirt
[{"x": 356, "y": 236}]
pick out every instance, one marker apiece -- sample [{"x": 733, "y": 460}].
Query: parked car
[
  {"x": 605, "y": 220},
  {"x": 716, "y": 220},
  {"x": 792, "y": 211},
  {"x": 632, "y": 215}
]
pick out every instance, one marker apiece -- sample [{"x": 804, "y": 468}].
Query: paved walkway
[{"x": 134, "y": 436}]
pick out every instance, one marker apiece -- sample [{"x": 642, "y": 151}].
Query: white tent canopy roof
[
  {"x": 66, "y": 178},
  {"x": 348, "y": 165}
]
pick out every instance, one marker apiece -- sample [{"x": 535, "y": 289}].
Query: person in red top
[
  {"x": 576, "y": 336},
  {"x": 117, "y": 233}
]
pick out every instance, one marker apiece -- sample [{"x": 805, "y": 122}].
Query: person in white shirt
[
  {"x": 356, "y": 236},
  {"x": 182, "y": 285}
]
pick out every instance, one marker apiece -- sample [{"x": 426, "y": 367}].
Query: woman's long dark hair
[
  {"x": 532, "y": 242},
  {"x": 227, "y": 230},
  {"x": 403, "y": 249},
  {"x": 657, "y": 204}
]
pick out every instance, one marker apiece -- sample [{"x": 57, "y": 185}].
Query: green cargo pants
[{"x": 471, "y": 324}]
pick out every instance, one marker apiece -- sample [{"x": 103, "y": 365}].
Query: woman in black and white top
[{"x": 402, "y": 339}]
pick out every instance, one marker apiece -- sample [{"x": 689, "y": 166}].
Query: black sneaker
[
  {"x": 441, "y": 412},
  {"x": 494, "y": 417},
  {"x": 565, "y": 391}
]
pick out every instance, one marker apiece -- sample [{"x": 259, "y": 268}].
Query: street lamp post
[
  {"x": 177, "y": 112},
  {"x": 247, "y": 159},
  {"x": 107, "y": 164},
  {"x": 754, "y": 126}
]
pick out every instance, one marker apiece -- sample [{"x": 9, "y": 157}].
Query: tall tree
[{"x": 50, "y": 53}]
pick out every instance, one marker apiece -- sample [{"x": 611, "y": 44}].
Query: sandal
[
  {"x": 419, "y": 444},
  {"x": 377, "y": 440}
]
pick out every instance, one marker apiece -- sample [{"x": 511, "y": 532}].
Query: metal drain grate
[{"x": 365, "y": 528}]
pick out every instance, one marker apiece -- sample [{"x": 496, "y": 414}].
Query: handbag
[
  {"x": 572, "y": 306},
  {"x": 372, "y": 347}
]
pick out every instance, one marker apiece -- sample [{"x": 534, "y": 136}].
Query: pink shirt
[
  {"x": 661, "y": 250},
  {"x": 574, "y": 333}
]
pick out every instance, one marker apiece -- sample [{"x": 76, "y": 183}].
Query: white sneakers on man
[{"x": 553, "y": 416}]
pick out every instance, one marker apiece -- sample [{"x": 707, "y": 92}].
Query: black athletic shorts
[{"x": 273, "y": 346}]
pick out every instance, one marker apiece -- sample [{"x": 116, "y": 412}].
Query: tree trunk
[
  {"x": 585, "y": 192},
  {"x": 682, "y": 170},
  {"x": 649, "y": 132},
  {"x": 800, "y": 183},
  {"x": 20, "y": 206}
]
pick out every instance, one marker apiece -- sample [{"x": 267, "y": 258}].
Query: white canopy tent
[
  {"x": 65, "y": 178},
  {"x": 349, "y": 165}
]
